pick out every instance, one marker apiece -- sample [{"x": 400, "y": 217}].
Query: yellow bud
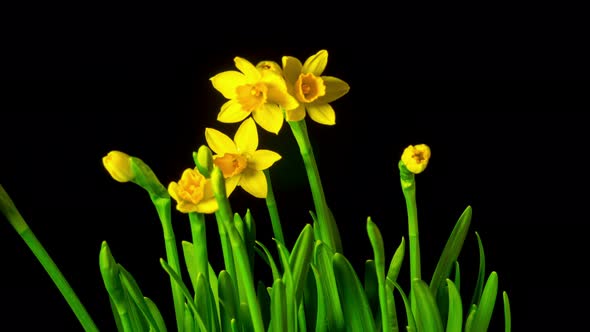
[
  {"x": 415, "y": 158},
  {"x": 269, "y": 66},
  {"x": 119, "y": 166}
]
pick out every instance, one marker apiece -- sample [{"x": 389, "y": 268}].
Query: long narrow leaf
[
  {"x": 300, "y": 259},
  {"x": 267, "y": 257},
  {"x": 411, "y": 322},
  {"x": 481, "y": 274},
  {"x": 379, "y": 253},
  {"x": 396, "y": 261},
  {"x": 451, "y": 251},
  {"x": 507, "y": 316},
  {"x": 455, "y": 312},
  {"x": 485, "y": 309},
  {"x": 136, "y": 295},
  {"x": 228, "y": 300},
  {"x": 357, "y": 312},
  {"x": 323, "y": 259},
  {"x": 156, "y": 314},
  {"x": 428, "y": 317},
  {"x": 278, "y": 307}
]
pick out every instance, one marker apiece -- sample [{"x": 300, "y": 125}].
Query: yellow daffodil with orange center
[
  {"x": 193, "y": 193},
  {"x": 239, "y": 160},
  {"x": 313, "y": 91},
  {"x": 416, "y": 157},
  {"x": 260, "y": 93}
]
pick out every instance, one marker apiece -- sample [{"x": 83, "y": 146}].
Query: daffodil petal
[
  {"x": 232, "y": 112},
  {"x": 208, "y": 205},
  {"x": 316, "y": 63},
  {"x": 263, "y": 159},
  {"x": 291, "y": 69},
  {"x": 227, "y": 82},
  {"x": 246, "y": 137},
  {"x": 323, "y": 113},
  {"x": 219, "y": 142},
  {"x": 246, "y": 67},
  {"x": 269, "y": 117},
  {"x": 335, "y": 88},
  {"x": 277, "y": 91},
  {"x": 254, "y": 182},
  {"x": 297, "y": 114},
  {"x": 231, "y": 184},
  {"x": 173, "y": 190}
]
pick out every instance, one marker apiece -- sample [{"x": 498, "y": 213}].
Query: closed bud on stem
[
  {"x": 145, "y": 178},
  {"x": 204, "y": 160},
  {"x": 218, "y": 182},
  {"x": 118, "y": 164}
]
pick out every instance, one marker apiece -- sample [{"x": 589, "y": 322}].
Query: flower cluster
[{"x": 271, "y": 94}]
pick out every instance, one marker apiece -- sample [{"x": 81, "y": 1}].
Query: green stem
[
  {"x": 8, "y": 208},
  {"x": 409, "y": 190},
  {"x": 199, "y": 235},
  {"x": 162, "y": 205},
  {"x": 271, "y": 204},
  {"x": 328, "y": 230}
]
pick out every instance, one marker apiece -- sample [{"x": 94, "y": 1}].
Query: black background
[{"x": 498, "y": 94}]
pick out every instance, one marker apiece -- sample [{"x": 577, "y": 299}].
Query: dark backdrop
[{"x": 495, "y": 101}]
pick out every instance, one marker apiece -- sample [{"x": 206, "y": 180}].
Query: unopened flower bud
[
  {"x": 118, "y": 164},
  {"x": 415, "y": 158},
  {"x": 204, "y": 160}
]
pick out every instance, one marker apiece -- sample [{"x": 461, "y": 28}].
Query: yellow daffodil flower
[
  {"x": 415, "y": 157},
  {"x": 118, "y": 164},
  {"x": 261, "y": 93},
  {"x": 193, "y": 193},
  {"x": 313, "y": 91},
  {"x": 241, "y": 164}
]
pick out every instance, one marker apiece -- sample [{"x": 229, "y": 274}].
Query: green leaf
[
  {"x": 321, "y": 321},
  {"x": 185, "y": 292},
  {"x": 357, "y": 312},
  {"x": 310, "y": 300},
  {"x": 228, "y": 300},
  {"x": 267, "y": 257},
  {"x": 485, "y": 309},
  {"x": 379, "y": 253},
  {"x": 481, "y": 274},
  {"x": 451, "y": 251},
  {"x": 300, "y": 259},
  {"x": 372, "y": 289},
  {"x": 428, "y": 315},
  {"x": 455, "y": 312},
  {"x": 291, "y": 305},
  {"x": 190, "y": 261},
  {"x": 507, "y": 316},
  {"x": 188, "y": 321},
  {"x": 278, "y": 307},
  {"x": 135, "y": 293},
  {"x": 205, "y": 304},
  {"x": 396, "y": 261},
  {"x": 323, "y": 259},
  {"x": 156, "y": 314},
  {"x": 264, "y": 300},
  {"x": 411, "y": 327},
  {"x": 250, "y": 237}
]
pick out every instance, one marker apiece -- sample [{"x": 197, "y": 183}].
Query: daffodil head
[
  {"x": 241, "y": 163},
  {"x": 193, "y": 193},
  {"x": 260, "y": 92},
  {"x": 416, "y": 157},
  {"x": 118, "y": 164},
  {"x": 312, "y": 90}
]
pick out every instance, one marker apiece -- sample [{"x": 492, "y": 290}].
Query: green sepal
[{"x": 145, "y": 178}]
